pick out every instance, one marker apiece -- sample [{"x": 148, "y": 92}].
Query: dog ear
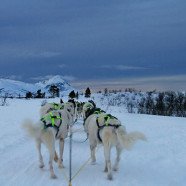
[
  {"x": 72, "y": 101},
  {"x": 91, "y": 101}
]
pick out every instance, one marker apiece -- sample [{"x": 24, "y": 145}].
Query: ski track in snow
[{"x": 161, "y": 161}]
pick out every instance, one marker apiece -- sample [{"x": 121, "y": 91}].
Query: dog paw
[
  {"x": 56, "y": 157},
  {"x": 53, "y": 176},
  {"x": 93, "y": 162},
  {"x": 115, "y": 169},
  {"x": 109, "y": 177},
  {"x": 106, "y": 169},
  {"x": 61, "y": 166},
  {"x": 41, "y": 166}
]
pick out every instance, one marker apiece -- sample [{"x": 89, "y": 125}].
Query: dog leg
[
  {"x": 50, "y": 143},
  {"x": 118, "y": 153},
  {"x": 38, "y": 145},
  {"x": 93, "y": 153},
  {"x": 106, "y": 168},
  {"x": 56, "y": 157},
  {"x": 52, "y": 152},
  {"x": 61, "y": 149},
  {"x": 52, "y": 175},
  {"x": 108, "y": 162}
]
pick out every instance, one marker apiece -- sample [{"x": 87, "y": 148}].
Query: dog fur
[
  {"x": 110, "y": 136},
  {"x": 47, "y": 136}
]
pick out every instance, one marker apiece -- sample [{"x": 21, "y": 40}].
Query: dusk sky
[{"x": 98, "y": 43}]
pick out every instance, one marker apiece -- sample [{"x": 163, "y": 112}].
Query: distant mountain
[
  {"x": 17, "y": 88},
  {"x": 62, "y": 84}
]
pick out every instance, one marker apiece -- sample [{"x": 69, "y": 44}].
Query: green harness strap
[
  {"x": 51, "y": 117},
  {"x": 57, "y": 106},
  {"x": 89, "y": 105},
  {"x": 98, "y": 111},
  {"x": 107, "y": 117}
]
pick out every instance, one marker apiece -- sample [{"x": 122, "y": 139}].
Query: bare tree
[{"x": 4, "y": 100}]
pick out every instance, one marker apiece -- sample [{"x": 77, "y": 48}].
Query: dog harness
[
  {"x": 92, "y": 102},
  {"x": 89, "y": 105},
  {"x": 89, "y": 110},
  {"x": 98, "y": 111},
  {"x": 106, "y": 123},
  {"x": 93, "y": 111},
  {"x": 57, "y": 106},
  {"x": 49, "y": 121}
]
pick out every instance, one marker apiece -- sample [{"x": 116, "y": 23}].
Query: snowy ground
[{"x": 161, "y": 161}]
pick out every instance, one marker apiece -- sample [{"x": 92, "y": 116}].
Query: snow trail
[{"x": 161, "y": 161}]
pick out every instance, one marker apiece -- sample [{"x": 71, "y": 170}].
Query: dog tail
[
  {"x": 31, "y": 129},
  {"x": 128, "y": 140}
]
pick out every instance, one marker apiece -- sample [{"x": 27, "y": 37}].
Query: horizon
[
  {"x": 115, "y": 85},
  {"x": 137, "y": 44}
]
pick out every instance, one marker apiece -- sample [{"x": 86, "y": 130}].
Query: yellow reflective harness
[
  {"x": 57, "y": 106},
  {"x": 98, "y": 111},
  {"x": 51, "y": 118},
  {"x": 107, "y": 118}
]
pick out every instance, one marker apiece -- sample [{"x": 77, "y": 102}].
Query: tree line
[
  {"x": 164, "y": 103},
  {"x": 155, "y": 103},
  {"x": 55, "y": 92}
]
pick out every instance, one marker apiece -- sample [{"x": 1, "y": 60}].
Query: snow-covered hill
[
  {"x": 62, "y": 84},
  {"x": 17, "y": 88}
]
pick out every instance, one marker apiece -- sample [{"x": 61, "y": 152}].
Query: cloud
[
  {"x": 62, "y": 65},
  {"x": 42, "y": 78},
  {"x": 69, "y": 78},
  {"x": 48, "y": 54},
  {"x": 26, "y": 52},
  {"x": 160, "y": 83},
  {"x": 123, "y": 67},
  {"x": 13, "y": 77}
]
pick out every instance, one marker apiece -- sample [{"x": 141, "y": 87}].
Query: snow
[
  {"x": 161, "y": 161},
  {"x": 16, "y": 88},
  {"x": 57, "y": 80},
  {"x": 54, "y": 79}
]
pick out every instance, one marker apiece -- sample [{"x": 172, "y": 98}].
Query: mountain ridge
[{"x": 14, "y": 88}]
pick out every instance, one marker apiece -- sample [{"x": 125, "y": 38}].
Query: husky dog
[
  {"x": 52, "y": 126},
  {"x": 106, "y": 129},
  {"x": 58, "y": 106},
  {"x": 79, "y": 109},
  {"x": 88, "y": 108},
  {"x": 47, "y": 107}
]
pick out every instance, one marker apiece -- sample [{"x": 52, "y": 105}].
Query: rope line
[
  {"x": 65, "y": 175},
  {"x": 71, "y": 178},
  {"x": 82, "y": 166}
]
